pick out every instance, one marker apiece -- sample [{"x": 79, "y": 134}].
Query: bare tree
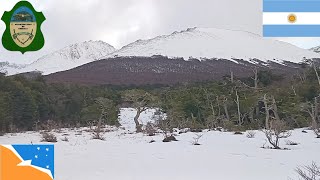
[
  {"x": 232, "y": 76},
  {"x": 315, "y": 68},
  {"x": 225, "y": 107},
  {"x": 277, "y": 130},
  {"x": 141, "y": 101},
  {"x": 150, "y": 129},
  {"x": 218, "y": 104},
  {"x": 251, "y": 134},
  {"x": 211, "y": 122},
  {"x": 240, "y": 121},
  {"x": 309, "y": 172},
  {"x": 265, "y": 101},
  {"x": 313, "y": 110},
  {"x": 167, "y": 130},
  {"x": 196, "y": 139},
  {"x": 256, "y": 80}
]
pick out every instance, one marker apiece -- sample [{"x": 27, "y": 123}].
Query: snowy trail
[{"x": 125, "y": 156}]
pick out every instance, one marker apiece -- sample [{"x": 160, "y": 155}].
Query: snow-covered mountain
[
  {"x": 6, "y": 67},
  {"x": 315, "y": 49},
  {"x": 69, "y": 57},
  {"x": 215, "y": 43}
]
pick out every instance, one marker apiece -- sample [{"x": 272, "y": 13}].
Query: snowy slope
[
  {"x": 215, "y": 43},
  {"x": 10, "y": 68},
  {"x": 126, "y": 156},
  {"x": 70, "y": 57},
  {"x": 315, "y": 49}
]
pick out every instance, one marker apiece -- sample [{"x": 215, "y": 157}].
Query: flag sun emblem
[{"x": 292, "y": 18}]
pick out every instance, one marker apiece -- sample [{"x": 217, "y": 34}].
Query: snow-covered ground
[{"x": 128, "y": 156}]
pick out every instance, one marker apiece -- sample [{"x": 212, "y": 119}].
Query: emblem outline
[{"x": 8, "y": 39}]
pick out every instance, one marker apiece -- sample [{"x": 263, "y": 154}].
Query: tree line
[{"x": 257, "y": 102}]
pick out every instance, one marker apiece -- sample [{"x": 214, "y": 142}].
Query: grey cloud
[{"x": 120, "y": 22}]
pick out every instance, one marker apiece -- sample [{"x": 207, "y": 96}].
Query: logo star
[
  {"x": 47, "y": 167},
  {"x": 47, "y": 149},
  {"x": 36, "y": 156},
  {"x": 38, "y": 148}
]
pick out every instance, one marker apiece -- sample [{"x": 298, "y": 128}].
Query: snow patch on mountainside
[
  {"x": 6, "y": 67},
  {"x": 70, "y": 57},
  {"x": 315, "y": 49},
  {"x": 215, "y": 43}
]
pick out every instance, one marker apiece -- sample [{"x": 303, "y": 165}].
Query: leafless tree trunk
[
  {"x": 36, "y": 124},
  {"x": 136, "y": 118},
  {"x": 218, "y": 103},
  {"x": 141, "y": 101},
  {"x": 265, "y": 101},
  {"x": 225, "y": 106},
  {"x": 316, "y": 71},
  {"x": 275, "y": 109},
  {"x": 232, "y": 77},
  {"x": 256, "y": 80},
  {"x": 294, "y": 90},
  {"x": 238, "y": 108},
  {"x": 313, "y": 111},
  {"x": 210, "y": 103}
]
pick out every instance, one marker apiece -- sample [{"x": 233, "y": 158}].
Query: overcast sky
[{"x": 119, "y": 22}]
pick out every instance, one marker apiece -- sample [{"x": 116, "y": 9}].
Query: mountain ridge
[
  {"x": 69, "y": 57},
  {"x": 215, "y": 43},
  {"x": 189, "y": 44}
]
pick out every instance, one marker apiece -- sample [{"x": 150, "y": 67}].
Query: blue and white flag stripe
[
  {"x": 291, "y": 6},
  {"x": 291, "y": 31},
  {"x": 282, "y": 18},
  {"x": 276, "y": 22}
]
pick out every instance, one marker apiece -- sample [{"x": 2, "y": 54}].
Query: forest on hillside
[{"x": 261, "y": 101}]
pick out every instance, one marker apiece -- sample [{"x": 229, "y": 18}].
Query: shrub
[
  {"x": 169, "y": 138},
  {"x": 309, "y": 172},
  {"x": 196, "y": 139},
  {"x": 97, "y": 135},
  {"x": 276, "y": 131},
  {"x": 185, "y": 130},
  {"x": 65, "y": 139},
  {"x": 251, "y": 134},
  {"x": 291, "y": 143},
  {"x": 48, "y": 137},
  {"x": 238, "y": 133},
  {"x": 150, "y": 129},
  {"x": 317, "y": 132}
]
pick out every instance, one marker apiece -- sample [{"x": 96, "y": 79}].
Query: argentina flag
[{"x": 291, "y": 18}]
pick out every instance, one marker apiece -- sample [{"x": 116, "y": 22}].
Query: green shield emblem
[{"x": 23, "y": 32}]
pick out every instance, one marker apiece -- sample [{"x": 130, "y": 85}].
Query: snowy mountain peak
[
  {"x": 215, "y": 43},
  {"x": 6, "y": 67},
  {"x": 70, "y": 57},
  {"x": 315, "y": 49},
  {"x": 88, "y": 49}
]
